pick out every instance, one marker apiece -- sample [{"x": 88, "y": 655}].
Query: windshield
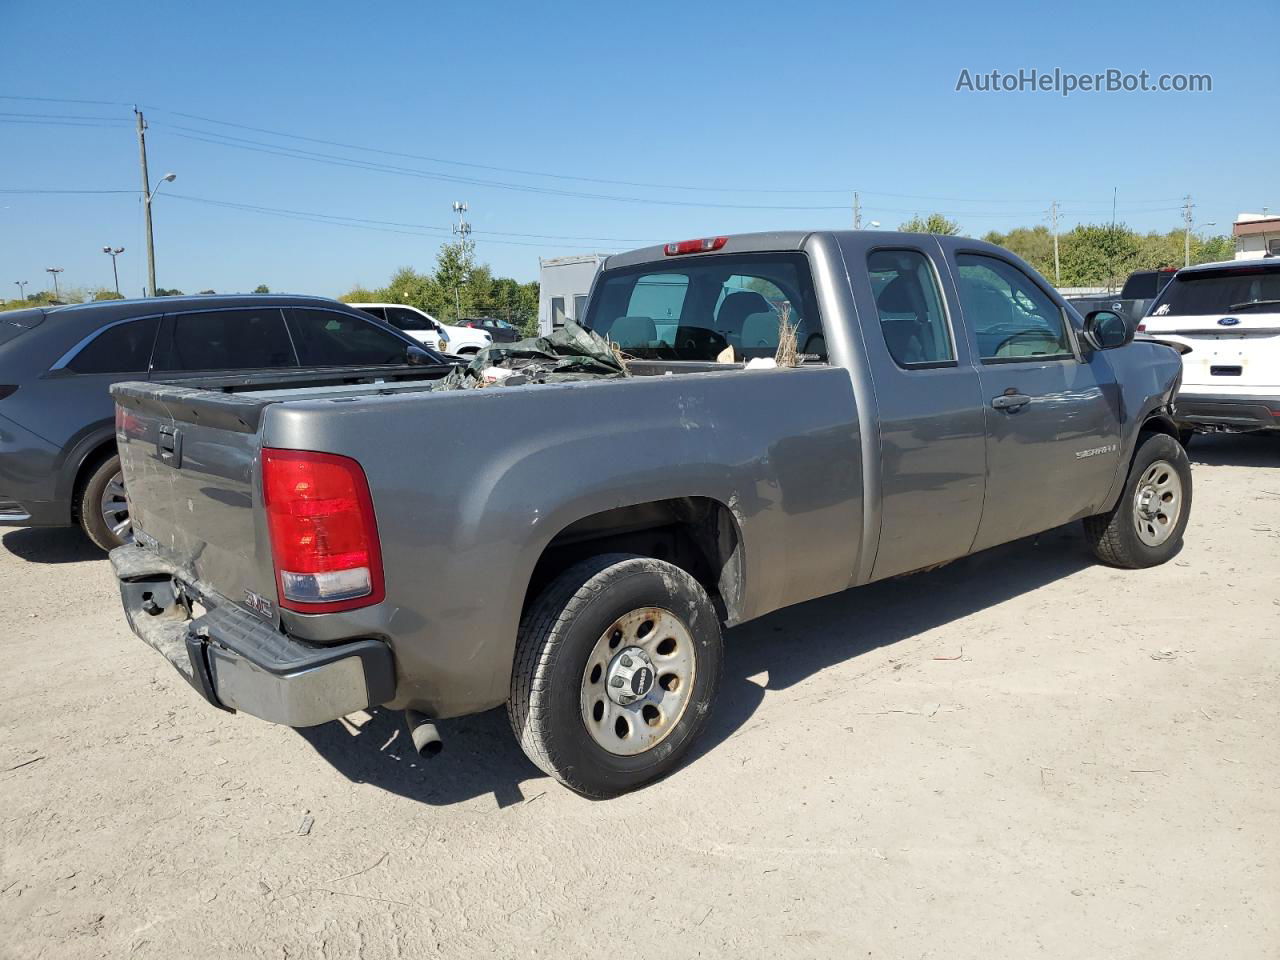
[
  {"x": 697, "y": 308},
  {"x": 1229, "y": 290}
]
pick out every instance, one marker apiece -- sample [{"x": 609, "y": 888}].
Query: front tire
[
  {"x": 617, "y": 664},
  {"x": 1145, "y": 527},
  {"x": 103, "y": 507}
]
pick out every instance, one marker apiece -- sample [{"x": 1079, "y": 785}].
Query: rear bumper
[
  {"x": 238, "y": 662},
  {"x": 1229, "y": 413}
]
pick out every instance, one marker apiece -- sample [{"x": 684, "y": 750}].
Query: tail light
[
  {"x": 324, "y": 537},
  {"x": 1142, "y": 328},
  {"x": 704, "y": 245}
]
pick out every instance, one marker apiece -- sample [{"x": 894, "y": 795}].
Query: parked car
[
  {"x": 499, "y": 330},
  {"x": 420, "y": 325},
  {"x": 1139, "y": 292},
  {"x": 348, "y": 556},
  {"x": 58, "y": 463},
  {"x": 1226, "y": 316}
]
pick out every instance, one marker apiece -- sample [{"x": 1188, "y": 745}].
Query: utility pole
[
  {"x": 55, "y": 271},
  {"x": 1057, "y": 263},
  {"x": 463, "y": 230},
  {"x": 146, "y": 206},
  {"x": 1187, "y": 207},
  {"x": 857, "y": 211}
]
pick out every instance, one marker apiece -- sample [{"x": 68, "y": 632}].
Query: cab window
[
  {"x": 909, "y": 306},
  {"x": 696, "y": 309},
  {"x": 1012, "y": 318}
]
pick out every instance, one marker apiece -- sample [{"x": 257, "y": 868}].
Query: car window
[
  {"x": 405, "y": 319},
  {"x": 227, "y": 340},
  {"x": 909, "y": 305},
  {"x": 557, "y": 312},
  {"x": 122, "y": 348},
  {"x": 329, "y": 338},
  {"x": 694, "y": 309},
  {"x": 1012, "y": 318},
  {"x": 378, "y": 312},
  {"x": 1222, "y": 291}
]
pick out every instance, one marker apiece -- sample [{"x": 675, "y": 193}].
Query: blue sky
[{"x": 753, "y": 104}]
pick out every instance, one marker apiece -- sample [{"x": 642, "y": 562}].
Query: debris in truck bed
[{"x": 570, "y": 353}]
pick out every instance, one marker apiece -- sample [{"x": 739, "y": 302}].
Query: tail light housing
[
  {"x": 324, "y": 536},
  {"x": 701, "y": 245}
]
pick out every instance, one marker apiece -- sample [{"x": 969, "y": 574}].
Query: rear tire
[
  {"x": 573, "y": 650},
  {"x": 1145, "y": 527},
  {"x": 101, "y": 507}
]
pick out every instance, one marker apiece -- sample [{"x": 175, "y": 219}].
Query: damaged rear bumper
[{"x": 238, "y": 662}]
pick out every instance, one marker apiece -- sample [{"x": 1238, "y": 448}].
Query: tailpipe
[{"x": 425, "y": 736}]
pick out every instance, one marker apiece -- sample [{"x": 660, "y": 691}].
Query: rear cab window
[
  {"x": 909, "y": 305},
  {"x": 694, "y": 309}
]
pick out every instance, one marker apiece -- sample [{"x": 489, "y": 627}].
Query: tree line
[
  {"x": 1091, "y": 255},
  {"x": 456, "y": 287}
]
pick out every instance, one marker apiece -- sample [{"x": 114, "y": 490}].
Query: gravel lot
[{"x": 1021, "y": 754}]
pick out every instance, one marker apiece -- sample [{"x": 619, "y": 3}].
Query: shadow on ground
[
  {"x": 481, "y": 755},
  {"x": 1235, "y": 450},
  {"x": 51, "y": 545}
]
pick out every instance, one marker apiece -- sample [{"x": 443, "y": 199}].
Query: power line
[{"x": 23, "y": 190}]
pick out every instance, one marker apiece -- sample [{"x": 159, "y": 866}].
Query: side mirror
[
  {"x": 1106, "y": 330},
  {"x": 416, "y": 356}
]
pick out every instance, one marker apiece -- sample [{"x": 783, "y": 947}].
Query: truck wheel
[
  {"x": 616, "y": 666},
  {"x": 1145, "y": 528},
  {"x": 103, "y": 507}
]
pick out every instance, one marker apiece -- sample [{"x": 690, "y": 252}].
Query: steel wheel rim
[
  {"x": 1157, "y": 503},
  {"x": 114, "y": 509},
  {"x": 627, "y": 730}
]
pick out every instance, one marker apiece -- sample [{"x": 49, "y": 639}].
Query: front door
[{"x": 1052, "y": 413}]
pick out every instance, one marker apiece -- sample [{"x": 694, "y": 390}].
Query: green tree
[
  {"x": 934, "y": 223},
  {"x": 1032, "y": 244},
  {"x": 107, "y": 295},
  {"x": 205, "y": 293},
  {"x": 262, "y": 288},
  {"x": 168, "y": 292},
  {"x": 1097, "y": 254},
  {"x": 1212, "y": 249}
]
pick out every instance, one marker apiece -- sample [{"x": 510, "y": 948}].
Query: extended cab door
[
  {"x": 1052, "y": 413},
  {"x": 929, "y": 404}
]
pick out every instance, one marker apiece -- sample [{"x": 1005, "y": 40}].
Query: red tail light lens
[
  {"x": 1142, "y": 327},
  {"x": 324, "y": 537},
  {"x": 704, "y": 245}
]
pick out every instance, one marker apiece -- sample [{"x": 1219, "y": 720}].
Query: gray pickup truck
[{"x": 574, "y": 549}]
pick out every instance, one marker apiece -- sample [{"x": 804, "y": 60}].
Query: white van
[{"x": 1228, "y": 314}]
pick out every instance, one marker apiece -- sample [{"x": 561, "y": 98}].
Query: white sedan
[{"x": 462, "y": 341}]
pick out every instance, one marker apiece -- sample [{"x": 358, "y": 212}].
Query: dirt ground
[{"x": 1022, "y": 754}]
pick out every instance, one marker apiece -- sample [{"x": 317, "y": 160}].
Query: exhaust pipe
[{"x": 425, "y": 736}]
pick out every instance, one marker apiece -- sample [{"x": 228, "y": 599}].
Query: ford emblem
[{"x": 1228, "y": 321}]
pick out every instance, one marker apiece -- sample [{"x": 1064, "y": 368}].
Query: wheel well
[
  {"x": 92, "y": 460},
  {"x": 697, "y": 534},
  {"x": 1160, "y": 423}
]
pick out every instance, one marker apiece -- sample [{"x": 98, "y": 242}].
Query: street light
[
  {"x": 114, "y": 252},
  {"x": 1186, "y": 247},
  {"x": 22, "y": 289},
  {"x": 151, "y": 241},
  {"x": 55, "y": 271}
]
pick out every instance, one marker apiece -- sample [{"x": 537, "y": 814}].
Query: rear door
[
  {"x": 932, "y": 429},
  {"x": 1052, "y": 413},
  {"x": 1230, "y": 318}
]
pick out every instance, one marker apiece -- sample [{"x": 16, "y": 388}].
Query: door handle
[{"x": 1010, "y": 401}]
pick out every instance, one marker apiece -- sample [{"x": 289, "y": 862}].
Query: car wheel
[
  {"x": 617, "y": 664},
  {"x": 1145, "y": 527},
  {"x": 103, "y": 506}
]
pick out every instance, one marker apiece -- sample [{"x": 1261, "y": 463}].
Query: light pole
[
  {"x": 55, "y": 271},
  {"x": 22, "y": 289},
  {"x": 1186, "y": 245},
  {"x": 151, "y": 242},
  {"x": 114, "y": 252}
]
